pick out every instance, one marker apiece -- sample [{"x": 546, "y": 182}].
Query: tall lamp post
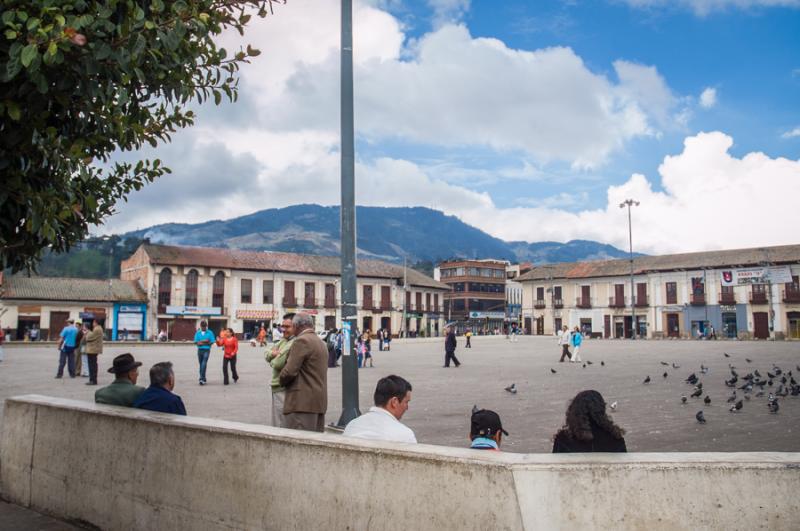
[
  {"x": 629, "y": 203},
  {"x": 348, "y": 222}
]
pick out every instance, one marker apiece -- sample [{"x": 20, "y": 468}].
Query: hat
[
  {"x": 70, "y": 320},
  {"x": 124, "y": 363},
  {"x": 486, "y": 423}
]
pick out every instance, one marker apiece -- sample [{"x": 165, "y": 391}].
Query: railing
[
  {"x": 330, "y": 303},
  {"x": 791, "y": 295},
  {"x": 583, "y": 302},
  {"x": 758, "y": 297},
  {"x": 558, "y": 303},
  {"x": 291, "y": 302},
  {"x": 309, "y": 303},
  {"x": 539, "y": 304},
  {"x": 385, "y": 306},
  {"x": 727, "y": 297},
  {"x": 616, "y": 302},
  {"x": 368, "y": 305},
  {"x": 697, "y": 299},
  {"x": 641, "y": 302}
]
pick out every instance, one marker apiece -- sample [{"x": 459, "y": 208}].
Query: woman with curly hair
[{"x": 588, "y": 428}]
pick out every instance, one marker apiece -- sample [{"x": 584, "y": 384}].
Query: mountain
[{"x": 416, "y": 233}]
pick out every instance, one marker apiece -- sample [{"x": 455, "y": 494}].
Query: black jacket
[
  {"x": 450, "y": 342},
  {"x": 602, "y": 442}
]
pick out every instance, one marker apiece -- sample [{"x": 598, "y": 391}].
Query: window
[
  {"x": 218, "y": 290},
  {"x": 191, "y": 288},
  {"x": 418, "y": 301},
  {"x": 330, "y": 296},
  {"x": 164, "y": 289},
  {"x": 459, "y": 271},
  {"x": 247, "y": 291},
  {"x": 540, "y": 294},
  {"x": 310, "y": 295},
  {"x": 557, "y": 293},
  {"x": 458, "y": 305},
  {"x": 698, "y": 286},
  {"x": 366, "y": 297},
  {"x": 288, "y": 293},
  {"x": 268, "y": 292},
  {"x": 435, "y": 302},
  {"x": 473, "y": 272},
  {"x": 428, "y": 302},
  {"x": 672, "y": 293},
  {"x": 386, "y": 297}
]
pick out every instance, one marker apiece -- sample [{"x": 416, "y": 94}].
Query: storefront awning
[{"x": 255, "y": 314}]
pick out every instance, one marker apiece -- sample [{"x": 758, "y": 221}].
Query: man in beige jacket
[
  {"x": 94, "y": 347},
  {"x": 305, "y": 377}
]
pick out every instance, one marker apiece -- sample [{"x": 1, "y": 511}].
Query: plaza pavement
[{"x": 442, "y": 398}]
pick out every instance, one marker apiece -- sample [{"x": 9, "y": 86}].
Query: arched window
[
  {"x": 218, "y": 292},
  {"x": 164, "y": 289},
  {"x": 191, "y": 288}
]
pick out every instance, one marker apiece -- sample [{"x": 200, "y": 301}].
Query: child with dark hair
[{"x": 588, "y": 428}]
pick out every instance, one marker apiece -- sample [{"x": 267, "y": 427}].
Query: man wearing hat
[
  {"x": 486, "y": 431},
  {"x": 123, "y": 391}
]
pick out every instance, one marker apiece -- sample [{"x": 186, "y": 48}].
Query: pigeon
[
  {"x": 757, "y": 373},
  {"x": 726, "y": 354},
  {"x": 747, "y": 397},
  {"x": 697, "y": 393},
  {"x": 584, "y": 365},
  {"x": 703, "y": 369},
  {"x": 664, "y": 363},
  {"x": 732, "y": 398},
  {"x": 771, "y": 398},
  {"x": 748, "y": 360},
  {"x": 777, "y": 370},
  {"x": 603, "y": 364},
  {"x": 792, "y": 380},
  {"x": 613, "y": 405},
  {"x": 737, "y": 406},
  {"x": 647, "y": 380},
  {"x": 773, "y": 406},
  {"x": 770, "y": 375},
  {"x": 665, "y": 374},
  {"x": 796, "y": 390},
  {"x": 784, "y": 380},
  {"x": 683, "y": 399},
  {"x": 734, "y": 373},
  {"x": 553, "y": 371},
  {"x": 698, "y": 386},
  {"x": 700, "y": 418},
  {"x": 707, "y": 400},
  {"x": 760, "y": 393},
  {"x": 589, "y": 362},
  {"x": 475, "y": 409},
  {"x": 512, "y": 388},
  {"x": 798, "y": 368},
  {"x": 675, "y": 366},
  {"x": 769, "y": 383},
  {"x": 692, "y": 379}
]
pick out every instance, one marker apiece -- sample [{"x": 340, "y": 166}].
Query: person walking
[
  {"x": 367, "y": 350},
  {"x": 203, "y": 338},
  {"x": 81, "y": 359},
  {"x": 230, "y": 348},
  {"x": 276, "y": 357},
  {"x": 468, "y": 335},
  {"x": 450, "y": 348},
  {"x": 577, "y": 339},
  {"x": 94, "y": 347},
  {"x": 66, "y": 349},
  {"x": 305, "y": 378},
  {"x": 564, "y": 341},
  {"x": 262, "y": 336}
]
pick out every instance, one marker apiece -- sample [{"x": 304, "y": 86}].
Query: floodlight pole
[
  {"x": 629, "y": 203},
  {"x": 348, "y": 222}
]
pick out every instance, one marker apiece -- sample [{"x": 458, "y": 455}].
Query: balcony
[
  {"x": 791, "y": 295},
  {"x": 583, "y": 302},
  {"x": 641, "y": 302},
  {"x": 727, "y": 297},
  {"x": 289, "y": 302},
  {"x": 758, "y": 297},
  {"x": 539, "y": 304},
  {"x": 330, "y": 303},
  {"x": 616, "y": 302},
  {"x": 558, "y": 303},
  {"x": 368, "y": 305},
  {"x": 697, "y": 299},
  {"x": 309, "y": 302},
  {"x": 385, "y": 306}
]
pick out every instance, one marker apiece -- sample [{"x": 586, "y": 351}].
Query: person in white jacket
[{"x": 564, "y": 340}]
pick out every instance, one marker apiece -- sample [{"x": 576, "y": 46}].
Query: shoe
[
  {"x": 224, "y": 383},
  {"x": 202, "y": 382},
  {"x": 91, "y": 383},
  {"x": 236, "y": 379},
  {"x": 58, "y": 377}
]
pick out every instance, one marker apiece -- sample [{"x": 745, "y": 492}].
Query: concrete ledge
[{"x": 120, "y": 468}]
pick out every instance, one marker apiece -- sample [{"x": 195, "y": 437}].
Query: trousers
[
  {"x": 305, "y": 421},
  {"x": 66, "y": 357},
  {"x": 92, "y": 359},
  {"x": 564, "y": 352},
  {"x": 450, "y": 356},
  {"x": 225, "y": 363},
  {"x": 202, "y": 360}
]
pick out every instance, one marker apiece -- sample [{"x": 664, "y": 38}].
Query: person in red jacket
[{"x": 227, "y": 340}]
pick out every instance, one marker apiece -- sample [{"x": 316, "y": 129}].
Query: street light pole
[
  {"x": 348, "y": 222},
  {"x": 629, "y": 203}
]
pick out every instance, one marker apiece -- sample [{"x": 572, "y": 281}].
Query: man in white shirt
[{"x": 382, "y": 422}]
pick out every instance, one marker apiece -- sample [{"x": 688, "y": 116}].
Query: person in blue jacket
[
  {"x": 577, "y": 339},
  {"x": 203, "y": 338},
  {"x": 159, "y": 396}
]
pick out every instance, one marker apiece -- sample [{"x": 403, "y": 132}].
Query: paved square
[{"x": 442, "y": 399}]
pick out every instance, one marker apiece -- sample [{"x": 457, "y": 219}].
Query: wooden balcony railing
[
  {"x": 385, "y": 306},
  {"x": 616, "y": 302},
  {"x": 697, "y": 299},
  {"x": 308, "y": 302},
  {"x": 791, "y": 295},
  {"x": 727, "y": 297},
  {"x": 641, "y": 302},
  {"x": 758, "y": 297},
  {"x": 368, "y": 305},
  {"x": 583, "y": 302},
  {"x": 290, "y": 302},
  {"x": 558, "y": 303},
  {"x": 539, "y": 304}
]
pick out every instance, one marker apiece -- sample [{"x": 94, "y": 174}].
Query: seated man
[
  {"x": 159, "y": 396},
  {"x": 382, "y": 422},
  {"x": 123, "y": 391},
  {"x": 486, "y": 431}
]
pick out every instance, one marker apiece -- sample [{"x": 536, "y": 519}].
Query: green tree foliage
[
  {"x": 82, "y": 79},
  {"x": 92, "y": 258}
]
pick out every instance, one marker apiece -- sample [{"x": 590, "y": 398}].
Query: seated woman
[{"x": 588, "y": 428}]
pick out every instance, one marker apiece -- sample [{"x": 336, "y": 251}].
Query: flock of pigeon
[{"x": 750, "y": 382}]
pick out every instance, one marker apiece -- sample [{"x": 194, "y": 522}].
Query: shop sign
[
  {"x": 194, "y": 310},
  {"x": 29, "y": 310},
  {"x": 727, "y": 307},
  {"x": 487, "y": 315},
  {"x": 126, "y": 308},
  {"x": 756, "y": 275}
]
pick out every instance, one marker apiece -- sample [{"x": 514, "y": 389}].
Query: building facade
[
  {"x": 43, "y": 305},
  {"x": 478, "y": 296},
  {"x": 743, "y": 293},
  {"x": 244, "y": 290}
]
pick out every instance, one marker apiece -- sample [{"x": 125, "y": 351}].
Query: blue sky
[{"x": 529, "y": 120}]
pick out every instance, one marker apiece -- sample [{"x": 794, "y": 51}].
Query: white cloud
[
  {"x": 704, "y": 7},
  {"x": 708, "y": 98},
  {"x": 445, "y": 11},
  {"x": 794, "y": 133}
]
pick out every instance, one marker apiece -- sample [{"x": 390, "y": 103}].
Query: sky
[{"x": 531, "y": 120}]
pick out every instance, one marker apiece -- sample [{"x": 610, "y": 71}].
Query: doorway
[
  {"x": 386, "y": 324},
  {"x": 24, "y": 325},
  {"x": 760, "y": 325},
  {"x": 330, "y": 322},
  {"x": 793, "y": 318},
  {"x": 729, "y": 327},
  {"x": 58, "y": 320},
  {"x": 540, "y": 325},
  {"x": 367, "y": 324},
  {"x": 619, "y": 328},
  {"x": 673, "y": 325}
]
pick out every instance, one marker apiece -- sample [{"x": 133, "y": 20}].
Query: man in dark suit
[
  {"x": 450, "y": 348},
  {"x": 305, "y": 378}
]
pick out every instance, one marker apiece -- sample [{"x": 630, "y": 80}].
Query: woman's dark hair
[{"x": 586, "y": 410}]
